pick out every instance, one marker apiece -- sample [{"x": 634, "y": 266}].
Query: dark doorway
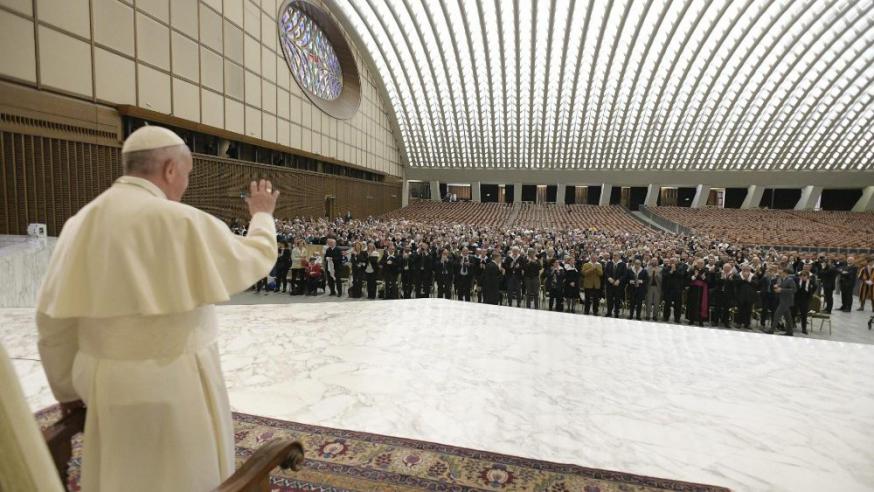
[
  {"x": 638, "y": 196},
  {"x": 685, "y": 195},
  {"x": 529, "y": 193},
  {"x": 594, "y": 197},
  {"x": 734, "y": 197},
  {"x": 488, "y": 193},
  {"x": 841, "y": 199}
]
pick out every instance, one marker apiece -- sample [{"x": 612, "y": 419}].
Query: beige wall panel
[
  {"x": 244, "y": 80},
  {"x": 253, "y": 89},
  {"x": 157, "y": 8},
  {"x": 70, "y": 15},
  {"x": 65, "y": 62},
  {"x": 268, "y": 64},
  {"x": 252, "y": 19},
  {"x": 235, "y": 117},
  {"x": 212, "y": 108},
  {"x": 233, "y": 42},
  {"x": 210, "y": 28},
  {"x": 234, "y": 11},
  {"x": 154, "y": 89},
  {"x": 271, "y": 7},
  {"x": 253, "y": 54},
  {"x": 282, "y": 103},
  {"x": 283, "y": 132},
  {"x": 186, "y": 103},
  {"x": 215, "y": 4},
  {"x": 23, "y": 6},
  {"x": 305, "y": 115},
  {"x": 115, "y": 77},
  {"x": 253, "y": 122},
  {"x": 114, "y": 25},
  {"x": 183, "y": 16},
  {"x": 153, "y": 42},
  {"x": 184, "y": 53},
  {"x": 268, "y": 127},
  {"x": 296, "y": 136},
  {"x": 268, "y": 97},
  {"x": 212, "y": 70},
  {"x": 234, "y": 80},
  {"x": 21, "y": 61},
  {"x": 268, "y": 32},
  {"x": 282, "y": 74}
]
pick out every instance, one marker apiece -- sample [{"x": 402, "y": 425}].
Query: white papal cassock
[{"x": 126, "y": 323}]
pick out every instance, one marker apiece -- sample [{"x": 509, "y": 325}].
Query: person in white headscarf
[{"x": 127, "y": 324}]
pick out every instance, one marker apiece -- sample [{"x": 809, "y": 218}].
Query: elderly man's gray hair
[{"x": 149, "y": 161}]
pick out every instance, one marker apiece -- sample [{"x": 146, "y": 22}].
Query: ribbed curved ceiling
[{"x": 626, "y": 84}]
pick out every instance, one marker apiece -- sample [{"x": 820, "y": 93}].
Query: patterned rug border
[{"x": 564, "y": 468}]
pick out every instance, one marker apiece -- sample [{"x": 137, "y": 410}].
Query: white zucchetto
[{"x": 150, "y": 138}]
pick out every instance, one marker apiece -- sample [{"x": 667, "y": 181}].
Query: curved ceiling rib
[{"x": 625, "y": 84}]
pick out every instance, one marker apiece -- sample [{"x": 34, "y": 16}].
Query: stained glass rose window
[{"x": 310, "y": 56}]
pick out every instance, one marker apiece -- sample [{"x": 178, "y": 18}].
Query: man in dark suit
[
  {"x": 827, "y": 275},
  {"x": 848, "y": 273},
  {"x": 615, "y": 272},
  {"x": 479, "y": 266},
  {"x": 391, "y": 266},
  {"x": 408, "y": 282},
  {"x": 443, "y": 272},
  {"x": 723, "y": 295},
  {"x": 514, "y": 266},
  {"x": 491, "y": 280},
  {"x": 464, "y": 272},
  {"x": 785, "y": 290},
  {"x": 283, "y": 264},
  {"x": 745, "y": 295},
  {"x": 335, "y": 256},
  {"x": 425, "y": 267},
  {"x": 807, "y": 287},
  {"x": 673, "y": 282},
  {"x": 636, "y": 278}
]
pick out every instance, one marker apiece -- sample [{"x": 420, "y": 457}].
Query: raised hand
[{"x": 262, "y": 197}]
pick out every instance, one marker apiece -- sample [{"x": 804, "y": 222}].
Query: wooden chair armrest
[
  {"x": 59, "y": 439},
  {"x": 254, "y": 474}
]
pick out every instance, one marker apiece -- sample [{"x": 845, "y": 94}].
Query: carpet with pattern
[{"x": 340, "y": 460}]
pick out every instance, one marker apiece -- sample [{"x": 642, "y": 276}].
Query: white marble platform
[
  {"x": 23, "y": 264},
  {"x": 742, "y": 410}
]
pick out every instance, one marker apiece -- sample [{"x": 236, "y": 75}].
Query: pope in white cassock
[{"x": 127, "y": 323}]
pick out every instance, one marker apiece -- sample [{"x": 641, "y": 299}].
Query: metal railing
[{"x": 665, "y": 223}]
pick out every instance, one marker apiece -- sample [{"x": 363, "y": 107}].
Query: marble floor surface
[{"x": 742, "y": 410}]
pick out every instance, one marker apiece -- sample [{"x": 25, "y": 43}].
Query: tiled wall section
[{"x": 217, "y": 62}]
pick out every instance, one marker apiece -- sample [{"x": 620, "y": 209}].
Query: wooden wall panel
[{"x": 47, "y": 180}]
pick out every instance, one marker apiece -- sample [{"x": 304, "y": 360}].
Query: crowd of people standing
[{"x": 650, "y": 275}]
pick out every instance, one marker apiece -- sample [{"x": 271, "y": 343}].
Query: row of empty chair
[
  {"x": 819, "y": 229},
  {"x": 611, "y": 218},
  {"x": 472, "y": 213}
]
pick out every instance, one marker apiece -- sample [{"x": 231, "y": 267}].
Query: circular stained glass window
[{"x": 310, "y": 56}]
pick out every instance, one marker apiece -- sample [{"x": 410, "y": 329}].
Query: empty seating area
[
  {"x": 471, "y": 213},
  {"x": 611, "y": 218},
  {"x": 823, "y": 229}
]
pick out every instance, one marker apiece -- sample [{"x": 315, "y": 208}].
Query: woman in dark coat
[
  {"x": 492, "y": 281},
  {"x": 571, "y": 283}
]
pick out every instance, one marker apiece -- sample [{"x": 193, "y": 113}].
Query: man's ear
[{"x": 169, "y": 169}]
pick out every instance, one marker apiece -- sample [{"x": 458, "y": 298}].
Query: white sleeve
[
  {"x": 239, "y": 260},
  {"x": 58, "y": 344}
]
